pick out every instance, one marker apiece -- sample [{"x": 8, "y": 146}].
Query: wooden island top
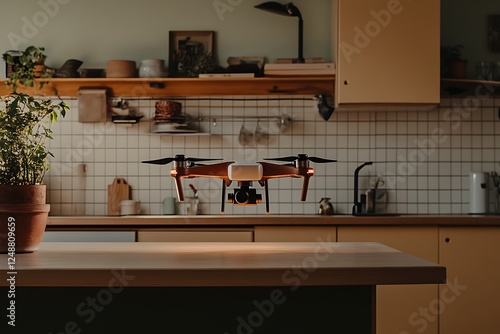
[{"x": 198, "y": 264}]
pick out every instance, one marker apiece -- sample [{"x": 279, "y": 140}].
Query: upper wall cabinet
[{"x": 387, "y": 52}]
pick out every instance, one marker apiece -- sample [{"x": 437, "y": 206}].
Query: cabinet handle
[
  {"x": 346, "y": 82},
  {"x": 447, "y": 240}
]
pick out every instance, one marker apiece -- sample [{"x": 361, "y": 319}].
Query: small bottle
[{"x": 325, "y": 207}]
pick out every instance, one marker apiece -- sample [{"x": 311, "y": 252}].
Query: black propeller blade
[
  {"x": 302, "y": 157},
  {"x": 178, "y": 157},
  {"x": 164, "y": 161},
  {"x": 321, "y": 160}
]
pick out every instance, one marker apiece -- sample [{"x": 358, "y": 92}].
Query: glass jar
[{"x": 152, "y": 68}]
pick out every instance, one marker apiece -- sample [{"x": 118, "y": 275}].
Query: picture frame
[
  {"x": 186, "y": 45},
  {"x": 494, "y": 32}
]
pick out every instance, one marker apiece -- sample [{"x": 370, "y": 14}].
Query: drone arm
[
  {"x": 178, "y": 186},
  {"x": 210, "y": 171},
  {"x": 305, "y": 185},
  {"x": 271, "y": 171}
]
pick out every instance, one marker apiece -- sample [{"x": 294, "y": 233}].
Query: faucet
[{"x": 358, "y": 204}]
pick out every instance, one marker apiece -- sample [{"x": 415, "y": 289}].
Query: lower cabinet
[
  {"x": 195, "y": 235},
  {"x": 403, "y": 309},
  {"x": 470, "y": 302},
  {"x": 295, "y": 233}
]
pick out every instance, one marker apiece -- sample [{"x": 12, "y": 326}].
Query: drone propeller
[
  {"x": 302, "y": 157},
  {"x": 178, "y": 157}
]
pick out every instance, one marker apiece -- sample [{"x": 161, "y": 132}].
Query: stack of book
[{"x": 298, "y": 69}]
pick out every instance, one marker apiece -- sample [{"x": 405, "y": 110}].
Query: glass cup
[
  {"x": 496, "y": 71},
  {"x": 189, "y": 206},
  {"x": 484, "y": 70}
]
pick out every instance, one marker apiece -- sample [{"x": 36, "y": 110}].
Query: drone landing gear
[{"x": 223, "y": 196}]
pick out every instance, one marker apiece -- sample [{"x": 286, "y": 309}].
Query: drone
[{"x": 242, "y": 172}]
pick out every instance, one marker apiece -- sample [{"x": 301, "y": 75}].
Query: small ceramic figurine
[{"x": 325, "y": 207}]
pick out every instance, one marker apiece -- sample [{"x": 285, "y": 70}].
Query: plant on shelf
[
  {"x": 452, "y": 63},
  {"x": 24, "y": 130},
  {"x": 30, "y": 64},
  {"x": 24, "y": 159},
  {"x": 190, "y": 66}
]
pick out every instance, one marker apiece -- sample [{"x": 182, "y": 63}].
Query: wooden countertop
[
  {"x": 219, "y": 264},
  {"x": 256, "y": 220}
]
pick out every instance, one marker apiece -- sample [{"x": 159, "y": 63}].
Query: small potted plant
[
  {"x": 452, "y": 63},
  {"x": 24, "y": 160},
  {"x": 190, "y": 66},
  {"x": 26, "y": 67}
]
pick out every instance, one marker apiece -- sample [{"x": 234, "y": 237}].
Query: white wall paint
[{"x": 95, "y": 31}]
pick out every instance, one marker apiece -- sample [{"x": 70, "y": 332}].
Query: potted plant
[
  {"x": 452, "y": 63},
  {"x": 24, "y": 159},
  {"x": 30, "y": 64},
  {"x": 190, "y": 66}
]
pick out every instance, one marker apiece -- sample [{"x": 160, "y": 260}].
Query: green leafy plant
[
  {"x": 450, "y": 53},
  {"x": 193, "y": 65},
  {"x": 25, "y": 123},
  {"x": 23, "y": 67},
  {"x": 24, "y": 128},
  {"x": 450, "y": 56}
]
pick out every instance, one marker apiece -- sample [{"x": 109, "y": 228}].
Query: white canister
[
  {"x": 152, "y": 68},
  {"x": 478, "y": 193}
]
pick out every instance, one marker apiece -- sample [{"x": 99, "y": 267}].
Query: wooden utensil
[{"x": 118, "y": 191}]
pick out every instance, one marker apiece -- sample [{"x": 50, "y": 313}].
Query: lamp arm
[{"x": 301, "y": 40}]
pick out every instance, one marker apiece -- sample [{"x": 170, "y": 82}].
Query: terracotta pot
[
  {"x": 23, "y": 217},
  {"x": 458, "y": 69},
  {"x": 38, "y": 70}
]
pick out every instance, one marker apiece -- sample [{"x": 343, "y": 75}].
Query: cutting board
[{"x": 118, "y": 191}]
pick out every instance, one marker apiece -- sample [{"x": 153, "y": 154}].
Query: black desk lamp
[{"x": 287, "y": 10}]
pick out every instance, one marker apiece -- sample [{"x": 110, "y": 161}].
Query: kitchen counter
[
  {"x": 130, "y": 222},
  {"x": 219, "y": 264},
  {"x": 205, "y": 287}
]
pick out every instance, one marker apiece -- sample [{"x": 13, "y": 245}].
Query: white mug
[{"x": 130, "y": 207}]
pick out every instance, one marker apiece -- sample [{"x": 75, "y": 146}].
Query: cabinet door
[
  {"x": 194, "y": 236},
  {"x": 400, "y": 307},
  {"x": 295, "y": 233},
  {"x": 388, "y": 51},
  {"x": 470, "y": 302}
]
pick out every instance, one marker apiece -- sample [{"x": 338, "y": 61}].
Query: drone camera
[{"x": 244, "y": 196}]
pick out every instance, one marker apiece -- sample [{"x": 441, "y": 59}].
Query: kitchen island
[{"x": 206, "y": 287}]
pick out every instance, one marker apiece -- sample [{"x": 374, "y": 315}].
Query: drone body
[{"x": 243, "y": 173}]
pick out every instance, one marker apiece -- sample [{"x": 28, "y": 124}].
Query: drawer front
[
  {"x": 88, "y": 236},
  {"x": 193, "y": 236}
]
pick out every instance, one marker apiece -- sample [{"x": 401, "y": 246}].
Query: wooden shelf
[
  {"x": 158, "y": 87},
  {"x": 469, "y": 86},
  {"x": 471, "y": 81}
]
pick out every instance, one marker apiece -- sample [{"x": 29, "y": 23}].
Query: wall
[
  {"x": 425, "y": 157},
  {"x": 95, "y": 31}
]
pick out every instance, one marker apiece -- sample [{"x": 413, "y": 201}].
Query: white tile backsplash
[{"x": 425, "y": 157}]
